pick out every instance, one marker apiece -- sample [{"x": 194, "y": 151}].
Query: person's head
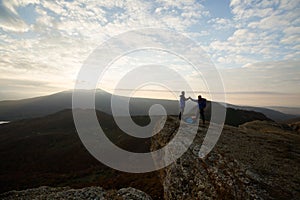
[
  {"x": 199, "y": 97},
  {"x": 183, "y": 93}
]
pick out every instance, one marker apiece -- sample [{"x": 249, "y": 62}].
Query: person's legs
[
  {"x": 181, "y": 113},
  {"x": 202, "y": 115}
]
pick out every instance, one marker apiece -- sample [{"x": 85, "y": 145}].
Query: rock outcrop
[
  {"x": 295, "y": 126},
  {"x": 258, "y": 160},
  {"x": 95, "y": 193}
]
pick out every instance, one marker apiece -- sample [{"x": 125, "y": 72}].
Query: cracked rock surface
[
  {"x": 258, "y": 160},
  {"x": 95, "y": 193}
]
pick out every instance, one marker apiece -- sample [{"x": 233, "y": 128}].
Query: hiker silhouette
[
  {"x": 182, "y": 104},
  {"x": 201, "y": 105}
]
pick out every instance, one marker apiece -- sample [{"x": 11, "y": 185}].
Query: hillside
[
  {"x": 48, "y": 151},
  {"x": 288, "y": 110},
  {"x": 293, "y": 120},
  {"x": 272, "y": 112},
  {"x": 294, "y": 124},
  {"x": 235, "y": 117}
]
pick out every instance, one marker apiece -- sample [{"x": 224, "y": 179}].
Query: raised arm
[{"x": 194, "y": 100}]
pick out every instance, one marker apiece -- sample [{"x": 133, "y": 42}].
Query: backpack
[{"x": 203, "y": 103}]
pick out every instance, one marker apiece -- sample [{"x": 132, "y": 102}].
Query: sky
[{"x": 254, "y": 44}]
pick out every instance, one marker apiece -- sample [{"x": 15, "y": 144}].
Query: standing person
[
  {"x": 182, "y": 104},
  {"x": 201, "y": 104}
]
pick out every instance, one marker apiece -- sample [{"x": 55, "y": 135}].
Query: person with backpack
[
  {"x": 182, "y": 104},
  {"x": 201, "y": 104}
]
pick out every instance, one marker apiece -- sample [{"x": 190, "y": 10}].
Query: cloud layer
[{"x": 256, "y": 46}]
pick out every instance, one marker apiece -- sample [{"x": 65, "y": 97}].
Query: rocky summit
[{"x": 257, "y": 160}]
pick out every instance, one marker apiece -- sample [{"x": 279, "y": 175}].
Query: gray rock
[
  {"x": 88, "y": 193},
  {"x": 132, "y": 193},
  {"x": 249, "y": 162}
]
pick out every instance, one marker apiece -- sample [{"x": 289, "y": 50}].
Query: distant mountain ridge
[
  {"x": 286, "y": 110},
  {"x": 45, "y": 105},
  {"x": 270, "y": 113}
]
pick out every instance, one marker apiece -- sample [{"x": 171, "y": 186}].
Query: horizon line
[{"x": 226, "y": 102}]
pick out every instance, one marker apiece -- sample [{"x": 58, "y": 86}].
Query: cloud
[
  {"x": 244, "y": 10},
  {"x": 270, "y": 83},
  {"x": 261, "y": 31},
  {"x": 9, "y": 18},
  {"x": 273, "y": 22},
  {"x": 221, "y": 23},
  {"x": 20, "y": 88},
  {"x": 275, "y": 76}
]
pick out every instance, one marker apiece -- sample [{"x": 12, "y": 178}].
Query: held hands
[{"x": 190, "y": 98}]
